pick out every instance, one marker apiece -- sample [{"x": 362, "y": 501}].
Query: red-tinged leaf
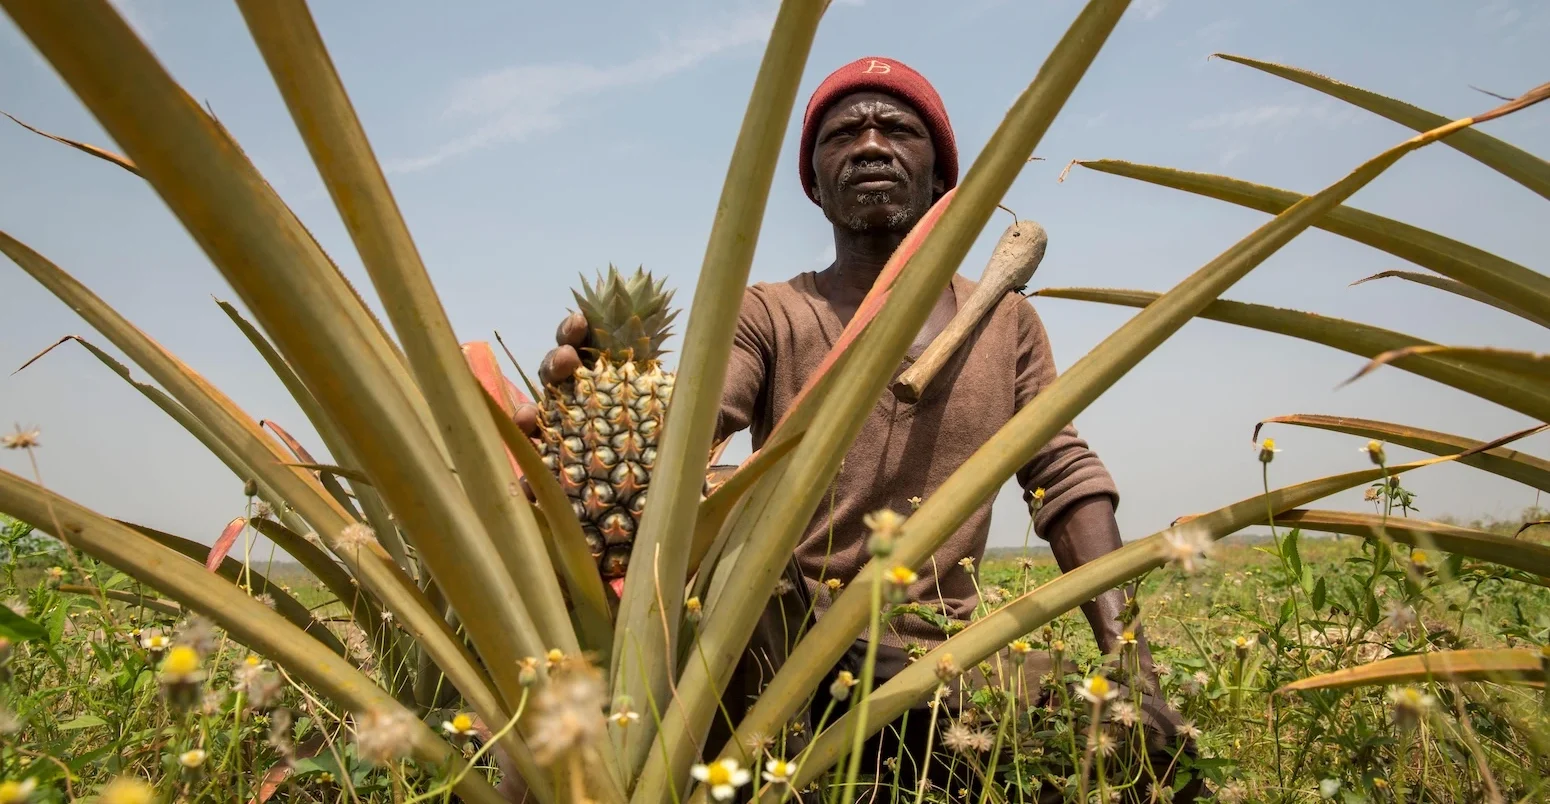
[
  {"x": 100, "y": 153},
  {"x": 223, "y": 544},
  {"x": 292, "y": 444},
  {"x": 875, "y": 298},
  {"x": 481, "y": 361}
]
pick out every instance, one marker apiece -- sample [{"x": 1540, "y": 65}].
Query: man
[{"x": 877, "y": 151}]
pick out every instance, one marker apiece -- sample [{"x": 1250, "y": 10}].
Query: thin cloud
[
  {"x": 1150, "y": 9},
  {"x": 512, "y": 104}
]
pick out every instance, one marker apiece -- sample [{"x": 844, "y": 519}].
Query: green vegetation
[{"x": 444, "y": 597}]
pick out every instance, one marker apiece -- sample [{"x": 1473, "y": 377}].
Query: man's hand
[
  {"x": 1087, "y": 531},
  {"x": 558, "y": 365}
]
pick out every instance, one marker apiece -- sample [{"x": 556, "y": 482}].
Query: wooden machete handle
[{"x": 1011, "y": 265}]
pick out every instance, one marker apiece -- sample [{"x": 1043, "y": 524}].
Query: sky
[{"x": 529, "y": 143}]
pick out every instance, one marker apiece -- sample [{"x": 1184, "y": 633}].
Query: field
[{"x": 85, "y": 705}]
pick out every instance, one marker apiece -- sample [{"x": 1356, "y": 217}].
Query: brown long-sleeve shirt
[{"x": 784, "y": 331}]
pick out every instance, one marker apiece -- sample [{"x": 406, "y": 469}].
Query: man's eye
[{"x": 839, "y": 136}]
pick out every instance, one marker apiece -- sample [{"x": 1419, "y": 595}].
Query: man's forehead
[{"x": 868, "y": 100}]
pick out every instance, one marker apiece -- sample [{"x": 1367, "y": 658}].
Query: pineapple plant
[{"x": 600, "y": 428}]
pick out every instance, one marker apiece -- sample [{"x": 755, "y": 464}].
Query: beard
[{"x": 913, "y": 201}]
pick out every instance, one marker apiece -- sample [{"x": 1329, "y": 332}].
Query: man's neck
[{"x": 859, "y": 257}]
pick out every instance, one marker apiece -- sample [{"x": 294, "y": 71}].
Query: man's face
[{"x": 875, "y": 164}]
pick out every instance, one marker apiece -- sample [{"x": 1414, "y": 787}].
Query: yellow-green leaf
[
  {"x": 1518, "y": 554},
  {"x": 1508, "y": 463},
  {"x": 1528, "y": 364},
  {"x": 1529, "y": 397},
  {"x": 1512, "y": 162},
  {"x": 248, "y": 621},
  {"x": 1032, "y": 427},
  {"x": 649, "y": 611},
  {"x": 1482, "y": 270},
  {"x": 1500, "y": 666},
  {"x": 1457, "y": 288},
  {"x": 985, "y": 636}
]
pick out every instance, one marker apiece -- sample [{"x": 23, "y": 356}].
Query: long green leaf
[
  {"x": 1032, "y": 427},
  {"x": 290, "y": 43},
  {"x": 868, "y": 368},
  {"x": 667, "y": 526},
  {"x": 249, "y": 622},
  {"x": 233, "y": 570},
  {"x": 1512, "y": 162},
  {"x": 371, "y": 565},
  {"x": 1525, "y": 396},
  {"x": 1508, "y": 463},
  {"x": 1457, "y": 288},
  {"x": 300, "y": 300},
  {"x": 167, "y": 607},
  {"x": 101, "y": 153},
  {"x": 371, "y": 503},
  {"x": 1504, "y": 279},
  {"x": 1500, "y": 666},
  {"x": 1027, "y": 613},
  {"x": 593, "y": 610},
  {"x": 310, "y": 555},
  {"x": 1504, "y": 550},
  {"x": 715, "y": 509},
  {"x": 1528, "y": 365}
]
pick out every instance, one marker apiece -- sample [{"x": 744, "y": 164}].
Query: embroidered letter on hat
[{"x": 875, "y": 66}]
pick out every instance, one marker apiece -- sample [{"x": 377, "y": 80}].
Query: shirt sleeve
[
  {"x": 752, "y": 351},
  {"x": 1066, "y": 468}
]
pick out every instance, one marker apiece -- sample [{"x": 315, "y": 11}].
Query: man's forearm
[{"x": 1086, "y": 531}]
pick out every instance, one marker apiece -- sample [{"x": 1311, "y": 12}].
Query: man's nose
[{"x": 870, "y": 146}]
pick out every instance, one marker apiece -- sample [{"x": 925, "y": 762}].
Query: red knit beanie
[{"x": 893, "y": 78}]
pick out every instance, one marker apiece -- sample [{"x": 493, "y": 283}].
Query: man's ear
[{"x": 938, "y": 185}]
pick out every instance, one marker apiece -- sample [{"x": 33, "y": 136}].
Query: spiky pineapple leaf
[
  {"x": 1529, "y": 365},
  {"x": 1032, "y": 427},
  {"x": 984, "y": 637},
  {"x": 1522, "y": 555},
  {"x": 1526, "y": 396},
  {"x": 249, "y": 622},
  {"x": 1457, "y": 288},
  {"x": 1508, "y": 463},
  {"x": 1480, "y": 269},
  {"x": 1504, "y": 158},
  {"x": 1499, "y": 666}
]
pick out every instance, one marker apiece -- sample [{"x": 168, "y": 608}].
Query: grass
[{"x": 84, "y": 703}]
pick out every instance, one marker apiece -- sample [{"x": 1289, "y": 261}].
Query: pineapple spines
[{"x": 629, "y": 316}]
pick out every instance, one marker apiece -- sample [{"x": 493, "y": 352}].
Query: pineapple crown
[{"x": 629, "y": 316}]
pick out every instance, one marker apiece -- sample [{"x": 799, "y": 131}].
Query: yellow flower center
[
  {"x": 1270, "y": 443},
  {"x": 846, "y": 678},
  {"x": 462, "y": 723},
  {"x": 14, "y": 792},
  {"x": 1098, "y": 685},
  {"x": 1128, "y": 636},
  {"x": 158, "y": 642},
  {"x": 781, "y": 769},
  {"x": 252, "y": 661},
  {"x": 555, "y": 656},
  {"x": 717, "y": 775},
  {"x": 902, "y": 575},
  {"x": 1020, "y": 646},
  {"x": 181, "y": 661},
  {"x": 692, "y": 604},
  {"x": 1418, "y": 556},
  {"x": 126, "y": 791},
  {"x": 1038, "y": 493}
]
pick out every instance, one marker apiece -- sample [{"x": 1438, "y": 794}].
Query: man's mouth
[{"x": 873, "y": 179}]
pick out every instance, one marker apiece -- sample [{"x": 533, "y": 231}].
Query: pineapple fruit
[{"x": 599, "y": 429}]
